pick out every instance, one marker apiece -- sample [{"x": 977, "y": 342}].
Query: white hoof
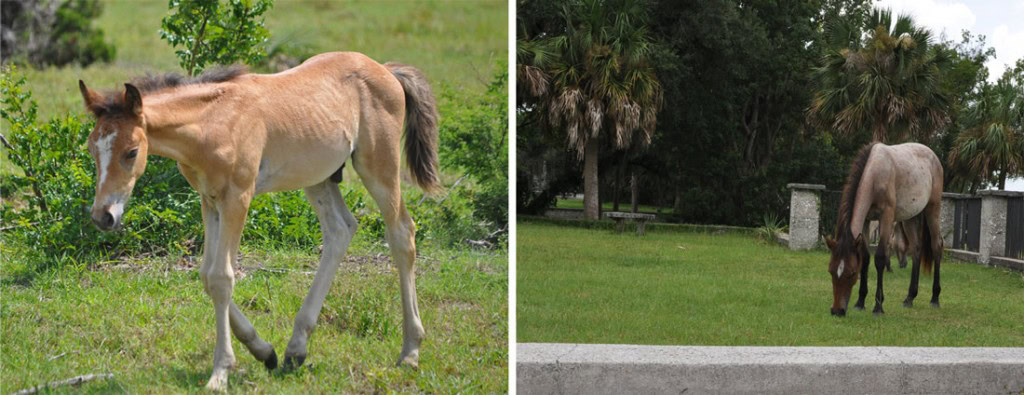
[
  {"x": 218, "y": 382},
  {"x": 410, "y": 359}
]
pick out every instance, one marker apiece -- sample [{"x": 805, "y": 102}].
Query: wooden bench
[{"x": 620, "y": 220}]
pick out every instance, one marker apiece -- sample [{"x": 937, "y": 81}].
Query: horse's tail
[
  {"x": 927, "y": 255},
  {"x": 420, "y": 125}
]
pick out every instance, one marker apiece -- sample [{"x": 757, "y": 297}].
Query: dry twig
[{"x": 72, "y": 381}]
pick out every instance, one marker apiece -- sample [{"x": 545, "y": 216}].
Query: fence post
[
  {"x": 993, "y": 224},
  {"x": 804, "y": 213},
  {"x": 946, "y": 217}
]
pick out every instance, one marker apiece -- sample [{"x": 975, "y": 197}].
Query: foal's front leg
[
  {"x": 240, "y": 325},
  {"x": 219, "y": 279}
]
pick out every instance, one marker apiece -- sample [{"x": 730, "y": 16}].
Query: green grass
[
  {"x": 455, "y": 43},
  {"x": 607, "y": 206},
  {"x": 149, "y": 323},
  {"x": 594, "y": 286}
]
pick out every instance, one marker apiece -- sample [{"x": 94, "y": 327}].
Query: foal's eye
[{"x": 132, "y": 154}]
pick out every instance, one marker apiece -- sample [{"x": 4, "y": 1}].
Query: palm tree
[
  {"x": 995, "y": 142},
  {"x": 888, "y": 82},
  {"x": 595, "y": 81}
]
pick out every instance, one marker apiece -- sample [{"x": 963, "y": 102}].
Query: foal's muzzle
[
  {"x": 104, "y": 220},
  {"x": 107, "y": 218}
]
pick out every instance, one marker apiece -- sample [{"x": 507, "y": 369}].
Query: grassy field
[
  {"x": 455, "y": 43},
  {"x": 594, "y": 286},
  {"x": 607, "y": 206},
  {"x": 149, "y": 323}
]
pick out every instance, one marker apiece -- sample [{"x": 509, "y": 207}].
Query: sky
[{"x": 1000, "y": 21}]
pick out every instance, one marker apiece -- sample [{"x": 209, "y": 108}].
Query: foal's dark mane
[
  {"x": 113, "y": 101},
  {"x": 843, "y": 235}
]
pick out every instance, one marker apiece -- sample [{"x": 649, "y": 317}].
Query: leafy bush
[
  {"x": 60, "y": 173},
  {"x": 42, "y": 33},
  {"x": 474, "y": 139},
  {"x": 215, "y": 33}
]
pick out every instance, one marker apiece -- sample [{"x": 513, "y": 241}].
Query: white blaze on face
[
  {"x": 104, "y": 147},
  {"x": 842, "y": 265}
]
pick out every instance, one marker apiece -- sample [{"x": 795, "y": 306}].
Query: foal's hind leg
[
  {"x": 383, "y": 183},
  {"x": 338, "y": 226}
]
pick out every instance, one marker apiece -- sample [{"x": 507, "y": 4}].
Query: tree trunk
[
  {"x": 590, "y": 184},
  {"x": 634, "y": 188},
  {"x": 617, "y": 189},
  {"x": 1002, "y": 179}
]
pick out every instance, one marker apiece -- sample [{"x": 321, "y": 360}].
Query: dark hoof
[
  {"x": 293, "y": 362},
  {"x": 888, "y": 269},
  {"x": 859, "y": 306},
  {"x": 271, "y": 362},
  {"x": 935, "y": 304},
  {"x": 878, "y": 311},
  {"x": 908, "y": 303}
]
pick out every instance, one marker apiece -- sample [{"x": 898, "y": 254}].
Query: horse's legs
[
  {"x": 911, "y": 231},
  {"x": 338, "y": 226},
  {"x": 885, "y": 225},
  {"x": 219, "y": 278},
  {"x": 902, "y": 245},
  {"x": 931, "y": 220},
  {"x": 401, "y": 237},
  {"x": 866, "y": 261},
  {"x": 240, "y": 326}
]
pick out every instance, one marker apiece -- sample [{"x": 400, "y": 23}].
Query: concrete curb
[{"x": 544, "y": 368}]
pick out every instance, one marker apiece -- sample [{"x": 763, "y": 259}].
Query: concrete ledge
[
  {"x": 996, "y": 261},
  {"x": 813, "y": 187},
  {"x": 617, "y": 369},
  {"x": 1000, "y": 193}
]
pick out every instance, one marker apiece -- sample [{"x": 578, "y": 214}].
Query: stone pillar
[
  {"x": 804, "y": 210},
  {"x": 946, "y": 216},
  {"x": 993, "y": 224}
]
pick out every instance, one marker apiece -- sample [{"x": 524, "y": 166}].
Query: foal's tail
[
  {"x": 420, "y": 125},
  {"x": 927, "y": 255}
]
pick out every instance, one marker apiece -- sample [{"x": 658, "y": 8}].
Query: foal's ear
[
  {"x": 133, "y": 99},
  {"x": 829, "y": 242},
  {"x": 91, "y": 98},
  {"x": 859, "y": 240}
]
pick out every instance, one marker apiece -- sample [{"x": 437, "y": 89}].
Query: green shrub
[
  {"x": 474, "y": 139},
  {"x": 215, "y": 33},
  {"x": 55, "y": 217}
]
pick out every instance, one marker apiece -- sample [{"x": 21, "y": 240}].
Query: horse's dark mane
[
  {"x": 843, "y": 234},
  {"x": 113, "y": 102}
]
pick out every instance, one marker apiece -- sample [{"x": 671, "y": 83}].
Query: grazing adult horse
[
  {"x": 898, "y": 183},
  {"x": 236, "y": 135}
]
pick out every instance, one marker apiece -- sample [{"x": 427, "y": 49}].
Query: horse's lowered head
[
  {"x": 844, "y": 267},
  {"x": 119, "y": 146}
]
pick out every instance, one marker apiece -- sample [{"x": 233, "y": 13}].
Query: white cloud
[
  {"x": 942, "y": 17},
  {"x": 1009, "y": 47}
]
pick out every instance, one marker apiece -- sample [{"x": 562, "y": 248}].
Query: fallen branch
[{"x": 72, "y": 381}]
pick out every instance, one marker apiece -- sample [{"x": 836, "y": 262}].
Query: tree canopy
[{"x": 757, "y": 95}]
